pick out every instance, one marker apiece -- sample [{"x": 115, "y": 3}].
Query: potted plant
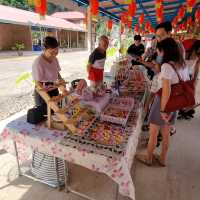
[{"x": 19, "y": 47}]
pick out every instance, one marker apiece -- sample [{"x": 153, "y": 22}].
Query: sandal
[
  {"x": 145, "y": 128},
  {"x": 143, "y": 159},
  {"x": 172, "y": 131},
  {"x": 157, "y": 158}
]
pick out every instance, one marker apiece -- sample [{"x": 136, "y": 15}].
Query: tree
[{"x": 23, "y": 4}]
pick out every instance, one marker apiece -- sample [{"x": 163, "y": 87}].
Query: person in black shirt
[{"x": 136, "y": 50}]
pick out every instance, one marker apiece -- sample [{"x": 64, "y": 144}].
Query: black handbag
[{"x": 35, "y": 115}]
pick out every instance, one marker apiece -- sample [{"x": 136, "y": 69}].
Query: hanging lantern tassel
[
  {"x": 122, "y": 29},
  {"x": 190, "y": 5},
  {"x": 94, "y": 4},
  {"x": 129, "y": 24},
  {"x": 109, "y": 24},
  {"x": 147, "y": 26},
  {"x": 86, "y": 20},
  {"x": 37, "y": 3},
  {"x": 141, "y": 19},
  {"x": 175, "y": 21},
  {"x": 31, "y": 2},
  {"x": 159, "y": 10},
  {"x": 41, "y": 7},
  {"x": 132, "y": 8},
  {"x": 136, "y": 28},
  {"x": 124, "y": 18},
  {"x": 197, "y": 16},
  {"x": 181, "y": 13}
]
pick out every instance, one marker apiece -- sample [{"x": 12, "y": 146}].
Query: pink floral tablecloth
[{"x": 29, "y": 137}]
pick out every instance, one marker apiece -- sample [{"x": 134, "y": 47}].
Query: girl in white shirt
[{"x": 169, "y": 53}]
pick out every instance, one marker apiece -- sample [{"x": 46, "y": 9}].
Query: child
[{"x": 95, "y": 67}]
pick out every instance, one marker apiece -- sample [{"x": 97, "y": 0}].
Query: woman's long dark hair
[
  {"x": 195, "y": 49},
  {"x": 172, "y": 52}
]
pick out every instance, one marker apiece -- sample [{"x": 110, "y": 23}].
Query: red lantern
[
  {"x": 41, "y": 7},
  {"x": 132, "y": 9},
  {"x": 197, "y": 15},
  {"x": 37, "y": 3},
  {"x": 185, "y": 25},
  {"x": 129, "y": 24},
  {"x": 181, "y": 13},
  {"x": 159, "y": 10},
  {"x": 141, "y": 19},
  {"x": 136, "y": 28},
  {"x": 94, "y": 7},
  {"x": 175, "y": 21},
  {"x": 109, "y": 24},
  {"x": 152, "y": 30},
  {"x": 124, "y": 18},
  {"x": 190, "y": 4},
  {"x": 122, "y": 28}
]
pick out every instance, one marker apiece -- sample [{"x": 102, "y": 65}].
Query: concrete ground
[
  {"x": 180, "y": 180},
  {"x": 15, "y": 97}
]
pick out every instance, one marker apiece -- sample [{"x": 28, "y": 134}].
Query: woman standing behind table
[
  {"x": 169, "y": 51},
  {"x": 45, "y": 70},
  {"x": 193, "y": 63}
]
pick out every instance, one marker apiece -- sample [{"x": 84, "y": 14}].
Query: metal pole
[
  {"x": 57, "y": 34},
  {"x": 57, "y": 173},
  {"x": 66, "y": 171},
  {"x": 120, "y": 26},
  {"x": 68, "y": 39},
  {"x": 89, "y": 38},
  {"x": 17, "y": 159},
  {"x": 70, "y": 36},
  {"x": 60, "y": 38},
  {"x": 77, "y": 39},
  {"x": 117, "y": 192},
  {"x": 41, "y": 35},
  {"x": 31, "y": 37}
]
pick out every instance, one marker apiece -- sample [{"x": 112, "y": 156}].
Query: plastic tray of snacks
[
  {"x": 107, "y": 134},
  {"x": 81, "y": 118},
  {"x": 98, "y": 104},
  {"x": 125, "y": 103},
  {"x": 84, "y": 121},
  {"x": 115, "y": 115}
]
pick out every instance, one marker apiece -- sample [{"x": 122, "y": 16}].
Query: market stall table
[{"x": 117, "y": 167}]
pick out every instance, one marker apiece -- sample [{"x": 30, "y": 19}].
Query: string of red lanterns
[
  {"x": 109, "y": 24},
  {"x": 159, "y": 10},
  {"x": 190, "y": 4},
  {"x": 181, "y": 13},
  {"x": 197, "y": 15},
  {"x": 94, "y": 8},
  {"x": 132, "y": 8},
  {"x": 40, "y": 6},
  {"x": 122, "y": 29},
  {"x": 141, "y": 19}
]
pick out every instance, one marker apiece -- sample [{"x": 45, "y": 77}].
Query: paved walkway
[
  {"x": 13, "y": 54},
  {"x": 180, "y": 180}
]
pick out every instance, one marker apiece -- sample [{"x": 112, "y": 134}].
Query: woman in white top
[
  {"x": 169, "y": 53},
  {"x": 46, "y": 70}
]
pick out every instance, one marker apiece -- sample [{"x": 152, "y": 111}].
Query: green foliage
[
  {"x": 111, "y": 51},
  {"x": 18, "y": 46},
  {"x": 23, "y": 4},
  {"x": 101, "y": 28},
  {"x": 23, "y": 77}
]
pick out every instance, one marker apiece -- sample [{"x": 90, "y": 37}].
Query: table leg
[
  {"x": 66, "y": 169},
  {"x": 117, "y": 192},
  {"x": 57, "y": 174},
  {"x": 17, "y": 159}
]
